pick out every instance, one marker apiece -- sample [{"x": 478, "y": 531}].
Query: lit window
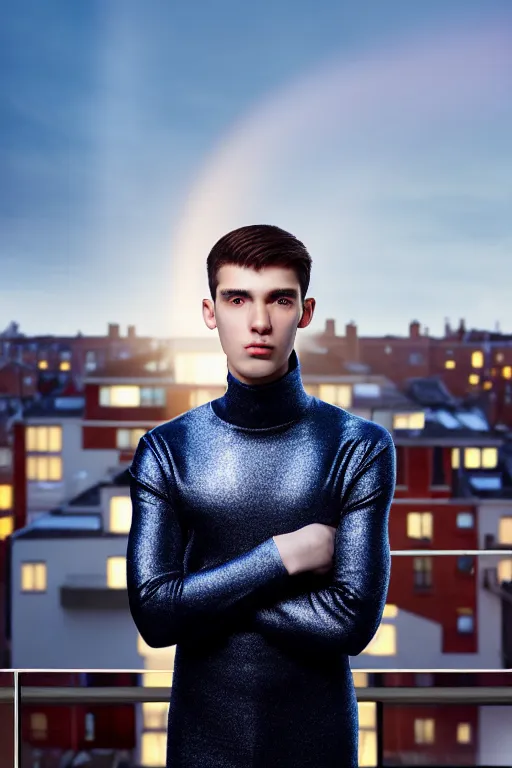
[
  {"x": 360, "y": 678},
  {"x": 383, "y": 642},
  {"x": 44, "y": 468},
  {"x": 477, "y": 359},
  {"x": 424, "y": 731},
  {"x": 464, "y": 733},
  {"x": 128, "y": 439},
  {"x": 42, "y": 365},
  {"x": 487, "y": 385},
  {"x": 455, "y": 458},
  {"x": 38, "y": 725},
  {"x": 200, "y": 397},
  {"x": 120, "y": 396},
  {"x": 6, "y": 527},
  {"x": 507, "y": 372},
  {"x": 499, "y": 357},
  {"x": 65, "y": 366},
  {"x": 390, "y": 611},
  {"x": 120, "y": 514},
  {"x": 473, "y": 378},
  {"x": 154, "y": 715},
  {"x": 472, "y": 458},
  {"x": 157, "y": 679},
  {"x": 336, "y": 394},
  {"x": 200, "y": 368},
  {"x": 154, "y": 748},
  {"x": 419, "y": 525},
  {"x": 44, "y": 439},
  {"x": 5, "y": 496},
  {"x": 489, "y": 458},
  {"x": 505, "y": 530},
  {"x": 33, "y": 577},
  {"x": 367, "y": 737},
  {"x": 409, "y": 420},
  {"x": 465, "y": 520},
  {"x": 128, "y": 396},
  {"x": 505, "y": 570},
  {"x": 116, "y": 572},
  {"x": 449, "y": 364}
]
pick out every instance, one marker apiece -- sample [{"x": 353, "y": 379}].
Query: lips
[{"x": 259, "y": 346}]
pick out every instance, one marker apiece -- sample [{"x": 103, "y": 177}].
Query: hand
[{"x": 310, "y": 548}]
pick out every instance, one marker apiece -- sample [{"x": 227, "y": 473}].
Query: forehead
[{"x": 235, "y": 276}]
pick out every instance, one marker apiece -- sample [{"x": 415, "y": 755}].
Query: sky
[{"x": 132, "y": 136}]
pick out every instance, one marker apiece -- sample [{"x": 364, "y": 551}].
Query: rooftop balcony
[{"x": 68, "y": 718}]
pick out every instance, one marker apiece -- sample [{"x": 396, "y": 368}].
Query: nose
[{"x": 260, "y": 319}]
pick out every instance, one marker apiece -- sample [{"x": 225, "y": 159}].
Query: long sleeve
[
  {"x": 345, "y": 614},
  {"x": 168, "y": 607}
]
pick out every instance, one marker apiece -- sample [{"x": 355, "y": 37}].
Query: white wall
[{"x": 494, "y": 735}]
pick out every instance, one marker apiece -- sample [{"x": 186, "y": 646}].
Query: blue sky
[{"x": 133, "y": 135}]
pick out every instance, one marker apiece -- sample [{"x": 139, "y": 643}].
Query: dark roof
[
  {"x": 153, "y": 364},
  {"x": 91, "y": 497}
]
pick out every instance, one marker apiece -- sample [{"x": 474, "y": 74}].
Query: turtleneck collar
[{"x": 260, "y": 406}]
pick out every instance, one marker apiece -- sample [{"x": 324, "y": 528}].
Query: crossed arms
[{"x": 343, "y": 614}]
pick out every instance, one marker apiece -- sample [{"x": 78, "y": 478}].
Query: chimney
[
  {"x": 113, "y": 330},
  {"x": 414, "y": 330},
  {"x": 352, "y": 343},
  {"x": 447, "y": 328},
  {"x": 330, "y": 329},
  {"x": 132, "y": 333}
]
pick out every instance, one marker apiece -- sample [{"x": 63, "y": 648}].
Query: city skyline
[{"x": 378, "y": 136}]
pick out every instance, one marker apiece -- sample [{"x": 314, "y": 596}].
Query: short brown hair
[{"x": 259, "y": 246}]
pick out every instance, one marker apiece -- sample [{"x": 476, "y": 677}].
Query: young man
[{"x": 259, "y": 539}]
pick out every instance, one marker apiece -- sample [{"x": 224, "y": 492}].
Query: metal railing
[{"x": 19, "y": 694}]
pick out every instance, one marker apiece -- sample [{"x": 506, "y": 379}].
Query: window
[
  {"x": 466, "y": 564},
  {"x": 120, "y": 514},
  {"x": 44, "y": 468},
  {"x": 116, "y": 572},
  {"x": 424, "y": 731},
  {"x": 505, "y": 570},
  {"x": 131, "y": 396},
  {"x": 505, "y": 530},
  {"x": 154, "y": 715},
  {"x": 473, "y": 378},
  {"x": 465, "y": 621},
  {"x": 507, "y": 371},
  {"x": 195, "y": 368},
  {"x": 419, "y": 525},
  {"x": 38, "y": 725},
  {"x": 336, "y": 394},
  {"x": 475, "y": 458},
  {"x": 200, "y": 397},
  {"x": 416, "y": 358},
  {"x": 465, "y": 520},
  {"x": 128, "y": 439},
  {"x": 401, "y": 469},
  {"x": 438, "y": 474},
  {"x": 367, "y": 715},
  {"x": 157, "y": 679},
  {"x": 154, "y": 746},
  {"x": 449, "y": 364},
  {"x": 6, "y": 527},
  {"x": 5, "y": 457},
  {"x": 477, "y": 359},
  {"x": 5, "y": 496},
  {"x": 414, "y": 420},
  {"x": 44, "y": 439},
  {"x": 89, "y": 727},
  {"x": 422, "y": 572},
  {"x": 65, "y": 365},
  {"x": 463, "y": 733},
  {"x": 42, "y": 365},
  {"x": 33, "y": 577},
  {"x": 383, "y": 642}
]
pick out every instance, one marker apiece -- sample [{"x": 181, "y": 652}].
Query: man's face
[{"x": 262, "y": 307}]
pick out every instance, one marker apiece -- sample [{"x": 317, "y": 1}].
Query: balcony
[
  {"x": 91, "y": 592},
  {"x": 58, "y": 723}
]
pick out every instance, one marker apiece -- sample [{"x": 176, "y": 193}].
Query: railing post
[{"x": 17, "y": 719}]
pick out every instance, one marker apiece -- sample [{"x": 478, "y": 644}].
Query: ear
[{"x": 209, "y": 313}]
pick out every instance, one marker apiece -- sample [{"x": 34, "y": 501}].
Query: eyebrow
[{"x": 291, "y": 293}]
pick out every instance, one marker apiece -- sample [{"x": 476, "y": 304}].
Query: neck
[{"x": 260, "y": 406}]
